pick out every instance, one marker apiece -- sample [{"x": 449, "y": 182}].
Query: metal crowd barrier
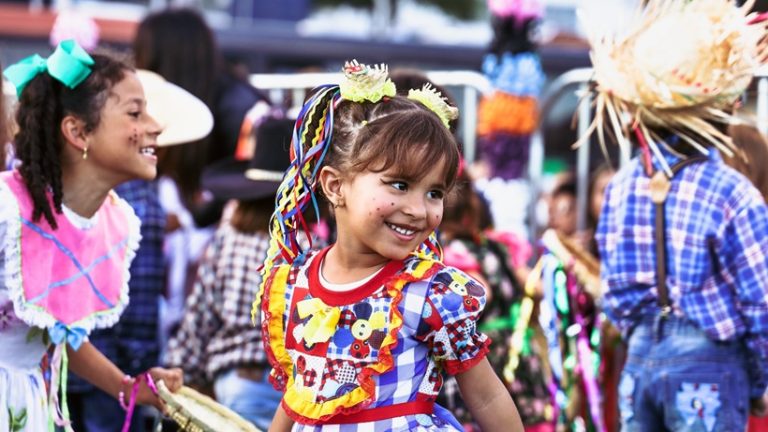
[
  {"x": 580, "y": 79},
  {"x": 472, "y": 85}
]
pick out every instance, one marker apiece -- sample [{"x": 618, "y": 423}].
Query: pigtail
[
  {"x": 45, "y": 97},
  {"x": 310, "y": 143},
  {"x": 363, "y": 99},
  {"x": 38, "y": 146}
]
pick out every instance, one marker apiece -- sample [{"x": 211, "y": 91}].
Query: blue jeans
[
  {"x": 254, "y": 401},
  {"x": 677, "y": 379}
]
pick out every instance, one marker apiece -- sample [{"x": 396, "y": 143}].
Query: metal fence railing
[
  {"x": 579, "y": 79},
  {"x": 471, "y": 85}
]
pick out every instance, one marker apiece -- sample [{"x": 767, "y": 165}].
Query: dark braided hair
[{"x": 42, "y": 106}]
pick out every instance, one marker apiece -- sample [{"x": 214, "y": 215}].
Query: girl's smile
[{"x": 386, "y": 216}]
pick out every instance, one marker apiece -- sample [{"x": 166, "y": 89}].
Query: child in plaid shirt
[
  {"x": 682, "y": 237},
  {"x": 216, "y": 343},
  {"x": 359, "y": 332}
]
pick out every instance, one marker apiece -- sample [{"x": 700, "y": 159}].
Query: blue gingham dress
[{"x": 438, "y": 333}]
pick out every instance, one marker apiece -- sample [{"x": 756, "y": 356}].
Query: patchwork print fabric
[{"x": 388, "y": 344}]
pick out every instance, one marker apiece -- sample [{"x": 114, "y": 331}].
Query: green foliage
[
  {"x": 18, "y": 419},
  {"x": 462, "y": 9}
]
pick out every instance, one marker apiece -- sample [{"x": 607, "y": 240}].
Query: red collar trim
[{"x": 336, "y": 298}]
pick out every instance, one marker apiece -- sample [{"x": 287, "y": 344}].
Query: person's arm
[
  {"x": 94, "y": 367},
  {"x": 488, "y": 400},
  {"x": 742, "y": 259},
  {"x": 281, "y": 422}
]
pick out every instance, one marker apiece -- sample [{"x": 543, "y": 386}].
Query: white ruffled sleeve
[
  {"x": 134, "y": 238},
  {"x": 10, "y": 254}
]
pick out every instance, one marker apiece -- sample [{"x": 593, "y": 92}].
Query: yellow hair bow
[{"x": 324, "y": 319}]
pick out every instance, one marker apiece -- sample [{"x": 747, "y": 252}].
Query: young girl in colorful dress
[
  {"x": 359, "y": 332},
  {"x": 66, "y": 240}
]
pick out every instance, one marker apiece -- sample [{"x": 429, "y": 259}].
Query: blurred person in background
[
  {"x": 682, "y": 236},
  {"x": 132, "y": 344},
  {"x": 499, "y": 261},
  {"x": 217, "y": 344},
  {"x": 562, "y": 207},
  {"x": 599, "y": 180},
  {"x": 754, "y": 159},
  {"x": 179, "y": 45},
  {"x": 751, "y": 162}
]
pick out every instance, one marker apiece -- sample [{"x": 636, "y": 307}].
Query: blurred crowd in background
[{"x": 204, "y": 221}]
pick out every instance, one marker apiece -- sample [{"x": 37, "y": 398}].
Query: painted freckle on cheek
[{"x": 134, "y": 138}]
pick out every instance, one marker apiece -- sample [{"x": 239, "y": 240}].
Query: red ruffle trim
[
  {"x": 394, "y": 287},
  {"x": 455, "y": 367}
]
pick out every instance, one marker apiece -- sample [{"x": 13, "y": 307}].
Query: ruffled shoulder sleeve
[
  {"x": 134, "y": 238},
  {"x": 452, "y": 308},
  {"x": 273, "y": 309},
  {"x": 10, "y": 229}
]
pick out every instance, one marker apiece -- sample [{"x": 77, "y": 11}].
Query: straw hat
[
  {"x": 184, "y": 117},
  {"x": 678, "y": 66},
  {"x": 260, "y": 176}
]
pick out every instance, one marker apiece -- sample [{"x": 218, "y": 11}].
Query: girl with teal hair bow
[{"x": 66, "y": 239}]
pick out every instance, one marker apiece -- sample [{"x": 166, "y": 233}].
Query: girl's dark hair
[
  {"x": 179, "y": 45},
  {"x": 395, "y": 133},
  {"x": 398, "y": 133},
  {"x": 252, "y": 216},
  {"x": 466, "y": 214},
  {"x": 754, "y": 159},
  {"x": 39, "y": 144}
]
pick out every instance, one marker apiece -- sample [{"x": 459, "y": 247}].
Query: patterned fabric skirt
[
  {"x": 23, "y": 400},
  {"x": 440, "y": 421}
]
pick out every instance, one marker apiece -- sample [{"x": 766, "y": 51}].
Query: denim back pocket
[{"x": 707, "y": 401}]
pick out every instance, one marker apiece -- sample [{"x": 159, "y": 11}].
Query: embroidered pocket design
[{"x": 698, "y": 402}]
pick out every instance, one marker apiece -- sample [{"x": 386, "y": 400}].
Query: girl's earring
[{"x": 85, "y": 153}]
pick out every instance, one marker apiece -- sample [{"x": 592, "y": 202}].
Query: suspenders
[{"x": 660, "y": 185}]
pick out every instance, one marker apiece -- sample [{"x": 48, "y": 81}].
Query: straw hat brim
[{"x": 184, "y": 117}]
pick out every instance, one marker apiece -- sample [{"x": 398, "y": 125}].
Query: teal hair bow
[
  {"x": 75, "y": 336},
  {"x": 69, "y": 64}
]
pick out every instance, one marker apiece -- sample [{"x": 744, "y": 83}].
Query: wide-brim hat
[
  {"x": 184, "y": 117},
  {"x": 260, "y": 176}
]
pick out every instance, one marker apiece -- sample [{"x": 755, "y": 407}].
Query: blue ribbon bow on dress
[{"x": 74, "y": 336}]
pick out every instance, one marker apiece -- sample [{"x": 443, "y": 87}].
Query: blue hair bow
[{"x": 69, "y": 64}]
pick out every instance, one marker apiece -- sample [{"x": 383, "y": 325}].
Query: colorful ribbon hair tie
[{"x": 69, "y": 64}]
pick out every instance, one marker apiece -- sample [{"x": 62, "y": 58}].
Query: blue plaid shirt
[
  {"x": 132, "y": 344},
  {"x": 717, "y": 242}
]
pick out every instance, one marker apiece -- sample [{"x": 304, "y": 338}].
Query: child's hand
[
  {"x": 759, "y": 407},
  {"x": 172, "y": 378}
]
